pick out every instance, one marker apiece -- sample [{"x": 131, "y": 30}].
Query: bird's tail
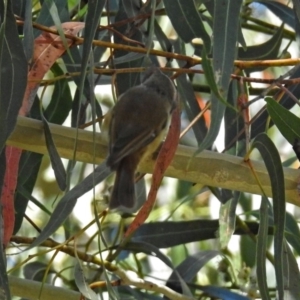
[{"x": 123, "y": 193}]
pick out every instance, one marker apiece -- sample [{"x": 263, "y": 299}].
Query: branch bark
[
  {"x": 208, "y": 168},
  {"x": 36, "y": 290}
]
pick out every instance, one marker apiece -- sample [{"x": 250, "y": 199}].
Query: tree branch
[{"x": 208, "y": 168}]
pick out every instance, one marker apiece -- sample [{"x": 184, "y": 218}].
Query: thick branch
[
  {"x": 35, "y": 290},
  {"x": 208, "y": 168}
]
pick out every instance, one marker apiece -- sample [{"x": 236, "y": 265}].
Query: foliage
[{"x": 54, "y": 57}]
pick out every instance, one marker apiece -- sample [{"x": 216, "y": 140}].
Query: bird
[{"x": 138, "y": 123}]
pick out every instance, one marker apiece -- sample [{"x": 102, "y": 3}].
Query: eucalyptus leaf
[
  {"x": 261, "y": 248},
  {"x": 272, "y": 161},
  {"x": 259, "y": 125},
  {"x": 82, "y": 284},
  {"x": 187, "y": 21},
  {"x": 68, "y": 201},
  {"x": 287, "y": 123},
  {"x": 189, "y": 268},
  {"x": 222, "y": 293},
  {"x": 225, "y": 36},
  {"x": 283, "y": 12},
  {"x": 56, "y": 162},
  {"x": 291, "y": 274},
  {"x": 13, "y": 72}
]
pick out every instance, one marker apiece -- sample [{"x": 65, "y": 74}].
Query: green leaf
[
  {"x": 95, "y": 9},
  {"x": 82, "y": 283},
  {"x": 73, "y": 64},
  {"x": 29, "y": 166},
  {"x": 296, "y": 7},
  {"x": 125, "y": 60},
  {"x": 56, "y": 162},
  {"x": 267, "y": 50},
  {"x": 53, "y": 11},
  {"x": 291, "y": 274},
  {"x": 187, "y": 21},
  {"x": 13, "y": 72},
  {"x": 28, "y": 32},
  {"x": 209, "y": 75},
  {"x": 225, "y": 36},
  {"x": 4, "y": 286},
  {"x": 292, "y": 232},
  {"x": 261, "y": 248},
  {"x": 169, "y": 234},
  {"x": 187, "y": 94},
  {"x": 13, "y": 80},
  {"x": 162, "y": 38},
  {"x": 221, "y": 293},
  {"x": 287, "y": 123},
  {"x": 37, "y": 270},
  {"x": 45, "y": 17},
  {"x": 61, "y": 101},
  {"x": 68, "y": 201},
  {"x": 191, "y": 106},
  {"x": 272, "y": 161},
  {"x": 189, "y": 268},
  {"x": 151, "y": 250},
  {"x": 282, "y": 11}
]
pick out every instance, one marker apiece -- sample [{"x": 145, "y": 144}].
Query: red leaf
[
  {"x": 7, "y": 197},
  {"x": 47, "y": 49},
  {"x": 164, "y": 159}
]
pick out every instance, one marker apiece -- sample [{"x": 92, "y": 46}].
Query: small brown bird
[{"x": 139, "y": 122}]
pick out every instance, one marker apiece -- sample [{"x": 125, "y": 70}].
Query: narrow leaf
[
  {"x": 82, "y": 284},
  {"x": 187, "y": 21},
  {"x": 4, "y": 286},
  {"x": 127, "y": 80},
  {"x": 282, "y": 11},
  {"x": 222, "y": 293},
  {"x": 53, "y": 11},
  {"x": 287, "y": 123},
  {"x": 170, "y": 234},
  {"x": 13, "y": 72},
  {"x": 47, "y": 49},
  {"x": 29, "y": 166},
  {"x": 68, "y": 201},
  {"x": 292, "y": 233},
  {"x": 187, "y": 95},
  {"x": 45, "y": 17},
  {"x": 267, "y": 50},
  {"x": 225, "y": 36},
  {"x": 61, "y": 101},
  {"x": 190, "y": 267},
  {"x": 261, "y": 248},
  {"x": 291, "y": 274},
  {"x": 92, "y": 22},
  {"x": 286, "y": 101},
  {"x": 272, "y": 161},
  {"x": 150, "y": 249},
  {"x": 191, "y": 106},
  {"x": 56, "y": 162},
  {"x": 28, "y": 32}
]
